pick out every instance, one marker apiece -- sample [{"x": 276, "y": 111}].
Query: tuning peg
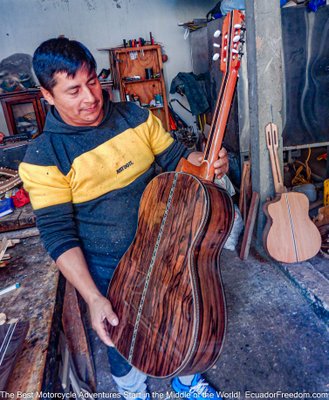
[
  {"x": 236, "y": 38},
  {"x": 217, "y": 33},
  {"x": 237, "y": 26},
  {"x": 216, "y": 44},
  {"x": 215, "y": 57},
  {"x": 235, "y": 51},
  {"x": 224, "y": 60}
]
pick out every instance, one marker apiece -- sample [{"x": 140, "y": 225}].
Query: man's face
[{"x": 78, "y": 100}]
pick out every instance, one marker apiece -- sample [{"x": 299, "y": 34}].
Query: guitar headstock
[
  {"x": 272, "y": 140},
  {"x": 232, "y": 41}
]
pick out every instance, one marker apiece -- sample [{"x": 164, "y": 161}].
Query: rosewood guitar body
[{"x": 167, "y": 288}]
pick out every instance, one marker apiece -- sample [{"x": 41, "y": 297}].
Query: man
[{"x": 86, "y": 204}]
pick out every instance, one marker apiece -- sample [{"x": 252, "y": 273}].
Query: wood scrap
[
  {"x": 12, "y": 337},
  {"x": 74, "y": 310},
  {"x": 4, "y": 264},
  {"x": 323, "y": 216},
  {"x": 4, "y": 245},
  {"x": 324, "y": 232},
  {"x": 245, "y": 190},
  {"x": 3, "y": 318},
  {"x": 21, "y": 234},
  {"x": 12, "y": 242},
  {"x": 249, "y": 226},
  {"x": 21, "y": 218}
]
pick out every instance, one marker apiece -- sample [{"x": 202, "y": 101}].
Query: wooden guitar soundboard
[{"x": 289, "y": 235}]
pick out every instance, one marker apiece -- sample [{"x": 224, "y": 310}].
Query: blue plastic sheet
[{"x": 229, "y": 5}]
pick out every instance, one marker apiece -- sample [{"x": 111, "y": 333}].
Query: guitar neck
[
  {"x": 232, "y": 35},
  {"x": 272, "y": 145},
  {"x": 218, "y": 126}
]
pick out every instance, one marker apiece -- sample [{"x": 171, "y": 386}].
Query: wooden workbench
[
  {"x": 21, "y": 218},
  {"x": 37, "y": 301}
]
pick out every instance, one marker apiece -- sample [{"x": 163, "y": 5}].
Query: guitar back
[
  {"x": 290, "y": 235},
  {"x": 167, "y": 286}
]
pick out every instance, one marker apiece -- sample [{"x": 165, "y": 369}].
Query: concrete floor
[{"x": 277, "y": 336}]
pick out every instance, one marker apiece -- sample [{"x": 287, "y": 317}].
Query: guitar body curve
[
  {"x": 290, "y": 235},
  {"x": 167, "y": 289}
]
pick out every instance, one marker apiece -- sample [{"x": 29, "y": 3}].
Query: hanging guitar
[
  {"x": 167, "y": 289},
  {"x": 289, "y": 235}
]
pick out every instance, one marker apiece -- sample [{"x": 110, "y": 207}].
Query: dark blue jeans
[{"x": 101, "y": 273}]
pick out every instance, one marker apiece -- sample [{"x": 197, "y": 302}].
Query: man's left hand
[{"x": 221, "y": 165}]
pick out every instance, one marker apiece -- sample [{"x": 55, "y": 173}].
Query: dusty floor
[{"x": 277, "y": 337}]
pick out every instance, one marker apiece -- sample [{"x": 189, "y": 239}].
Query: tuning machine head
[
  {"x": 215, "y": 57},
  {"x": 217, "y": 33}
]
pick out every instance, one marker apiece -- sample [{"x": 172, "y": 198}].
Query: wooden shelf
[
  {"x": 129, "y": 49},
  {"x": 125, "y": 82},
  {"x": 124, "y": 65}
]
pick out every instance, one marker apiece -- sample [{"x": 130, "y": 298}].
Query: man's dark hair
[{"x": 60, "y": 55}]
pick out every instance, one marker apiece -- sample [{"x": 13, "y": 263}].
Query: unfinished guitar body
[{"x": 290, "y": 235}]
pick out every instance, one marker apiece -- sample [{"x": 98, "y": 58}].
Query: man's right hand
[
  {"x": 101, "y": 312},
  {"x": 73, "y": 266}
]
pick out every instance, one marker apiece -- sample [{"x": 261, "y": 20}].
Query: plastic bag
[
  {"x": 237, "y": 228},
  {"x": 313, "y": 5}
]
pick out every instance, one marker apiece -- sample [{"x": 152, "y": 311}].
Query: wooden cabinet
[
  {"x": 24, "y": 112},
  {"x": 138, "y": 74}
]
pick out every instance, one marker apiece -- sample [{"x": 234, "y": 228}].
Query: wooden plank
[
  {"x": 35, "y": 299},
  {"x": 12, "y": 337},
  {"x": 247, "y": 236},
  {"x": 21, "y": 218},
  {"x": 3, "y": 247},
  {"x": 76, "y": 337},
  {"x": 245, "y": 190},
  {"x": 21, "y": 234}
]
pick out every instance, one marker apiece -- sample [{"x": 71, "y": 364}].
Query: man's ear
[{"x": 47, "y": 95}]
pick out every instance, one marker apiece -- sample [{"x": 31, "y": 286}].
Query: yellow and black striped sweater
[{"x": 85, "y": 183}]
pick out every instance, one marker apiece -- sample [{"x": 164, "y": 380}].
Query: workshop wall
[{"x": 99, "y": 24}]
